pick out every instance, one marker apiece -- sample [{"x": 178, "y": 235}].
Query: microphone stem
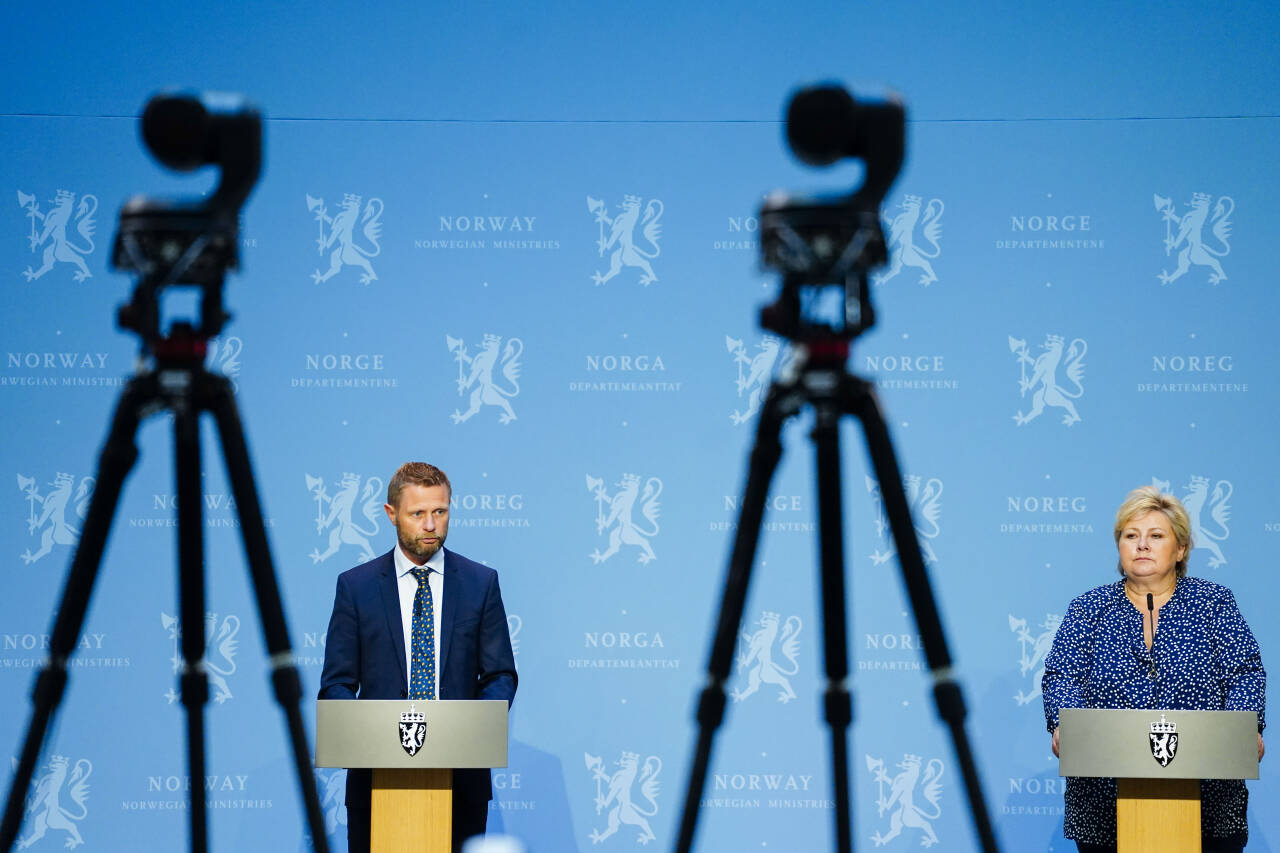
[{"x": 1151, "y": 611}]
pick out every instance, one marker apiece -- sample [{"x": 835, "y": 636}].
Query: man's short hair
[{"x": 416, "y": 474}]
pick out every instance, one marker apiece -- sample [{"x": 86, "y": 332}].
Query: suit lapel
[
  {"x": 391, "y": 607},
  {"x": 449, "y": 612}
]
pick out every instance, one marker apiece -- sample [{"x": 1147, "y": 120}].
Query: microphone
[{"x": 1151, "y": 611}]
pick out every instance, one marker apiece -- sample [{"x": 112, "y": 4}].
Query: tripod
[
  {"x": 823, "y": 383},
  {"x": 194, "y": 246},
  {"x": 820, "y": 245}
]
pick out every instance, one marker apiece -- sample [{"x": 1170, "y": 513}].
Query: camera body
[
  {"x": 188, "y": 243},
  {"x": 825, "y": 247}
]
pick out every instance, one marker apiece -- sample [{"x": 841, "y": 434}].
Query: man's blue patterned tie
[{"x": 422, "y": 674}]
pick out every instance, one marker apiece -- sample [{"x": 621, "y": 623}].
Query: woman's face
[{"x": 1148, "y": 549}]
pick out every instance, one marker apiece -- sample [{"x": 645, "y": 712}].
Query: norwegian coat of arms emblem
[
  {"x": 623, "y": 528},
  {"x": 1163, "y": 739},
  {"x": 1190, "y": 239},
  {"x": 621, "y": 240},
  {"x": 341, "y": 241},
  {"x": 58, "y": 244},
  {"x": 413, "y": 730}
]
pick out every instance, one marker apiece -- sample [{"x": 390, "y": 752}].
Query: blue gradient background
[{"x": 483, "y": 109}]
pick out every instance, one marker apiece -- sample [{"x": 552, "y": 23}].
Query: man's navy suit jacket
[{"x": 365, "y": 655}]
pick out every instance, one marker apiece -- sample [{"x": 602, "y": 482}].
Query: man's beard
[{"x": 422, "y": 550}]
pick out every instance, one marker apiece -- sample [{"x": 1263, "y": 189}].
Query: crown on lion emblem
[
  {"x": 1163, "y": 727},
  {"x": 351, "y": 198},
  {"x": 65, "y": 195},
  {"x": 909, "y": 758},
  {"x": 769, "y": 614},
  {"x": 629, "y": 479},
  {"x": 412, "y": 715},
  {"x": 62, "y": 478},
  {"x": 1197, "y": 197},
  {"x": 634, "y": 756},
  {"x": 632, "y": 199},
  {"x": 911, "y": 199},
  {"x": 1197, "y": 480},
  {"x": 492, "y": 339}
]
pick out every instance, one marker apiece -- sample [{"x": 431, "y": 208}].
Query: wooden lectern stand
[
  {"x": 412, "y": 747},
  {"x": 1158, "y": 759}
]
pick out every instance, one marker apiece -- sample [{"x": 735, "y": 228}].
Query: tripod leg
[
  {"x": 284, "y": 672},
  {"x": 764, "y": 461},
  {"x": 837, "y": 701},
  {"x": 114, "y": 463},
  {"x": 194, "y": 683},
  {"x": 946, "y": 691}
]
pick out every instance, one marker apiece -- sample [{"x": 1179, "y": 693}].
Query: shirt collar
[{"x": 404, "y": 565}]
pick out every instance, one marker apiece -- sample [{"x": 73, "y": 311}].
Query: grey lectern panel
[
  {"x": 366, "y": 733},
  {"x": 1208, "y": 744}
]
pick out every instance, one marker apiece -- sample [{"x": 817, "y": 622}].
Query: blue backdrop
[{"x": 1078, "y": 304}]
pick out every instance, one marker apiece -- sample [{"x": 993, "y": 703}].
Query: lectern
[
  {"x": 1158, "y": 759},
  {"x": 412, "y": 747}
]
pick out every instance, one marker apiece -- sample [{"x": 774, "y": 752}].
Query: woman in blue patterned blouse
[{"x": 1204, "y": 658}]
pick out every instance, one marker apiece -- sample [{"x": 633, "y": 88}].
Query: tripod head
[
  {"x": 825, "y": 247},
  {"x": 188, "y": 243}
]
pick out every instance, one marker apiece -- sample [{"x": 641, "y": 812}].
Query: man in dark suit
[{"x": 419, "y": 622}]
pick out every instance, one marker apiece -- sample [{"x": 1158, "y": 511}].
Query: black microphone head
[
  {"x": 1151, "y": 602},
  {"x": 821, "y": 123},
  {"x": 177, "y": 130}
]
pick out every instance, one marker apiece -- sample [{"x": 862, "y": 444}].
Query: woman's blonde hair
[{"x": 1150, "y": 499}]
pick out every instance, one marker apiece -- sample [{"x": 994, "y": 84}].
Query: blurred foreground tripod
[
  {"x": 825, "y": 248},
  {"x": 172, "y": 244}
]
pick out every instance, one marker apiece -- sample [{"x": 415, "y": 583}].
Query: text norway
[
  {"x": 487, "y": 223},
  {"x": 761, "y": 782},
  {"x": 58, "y": 359}
]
